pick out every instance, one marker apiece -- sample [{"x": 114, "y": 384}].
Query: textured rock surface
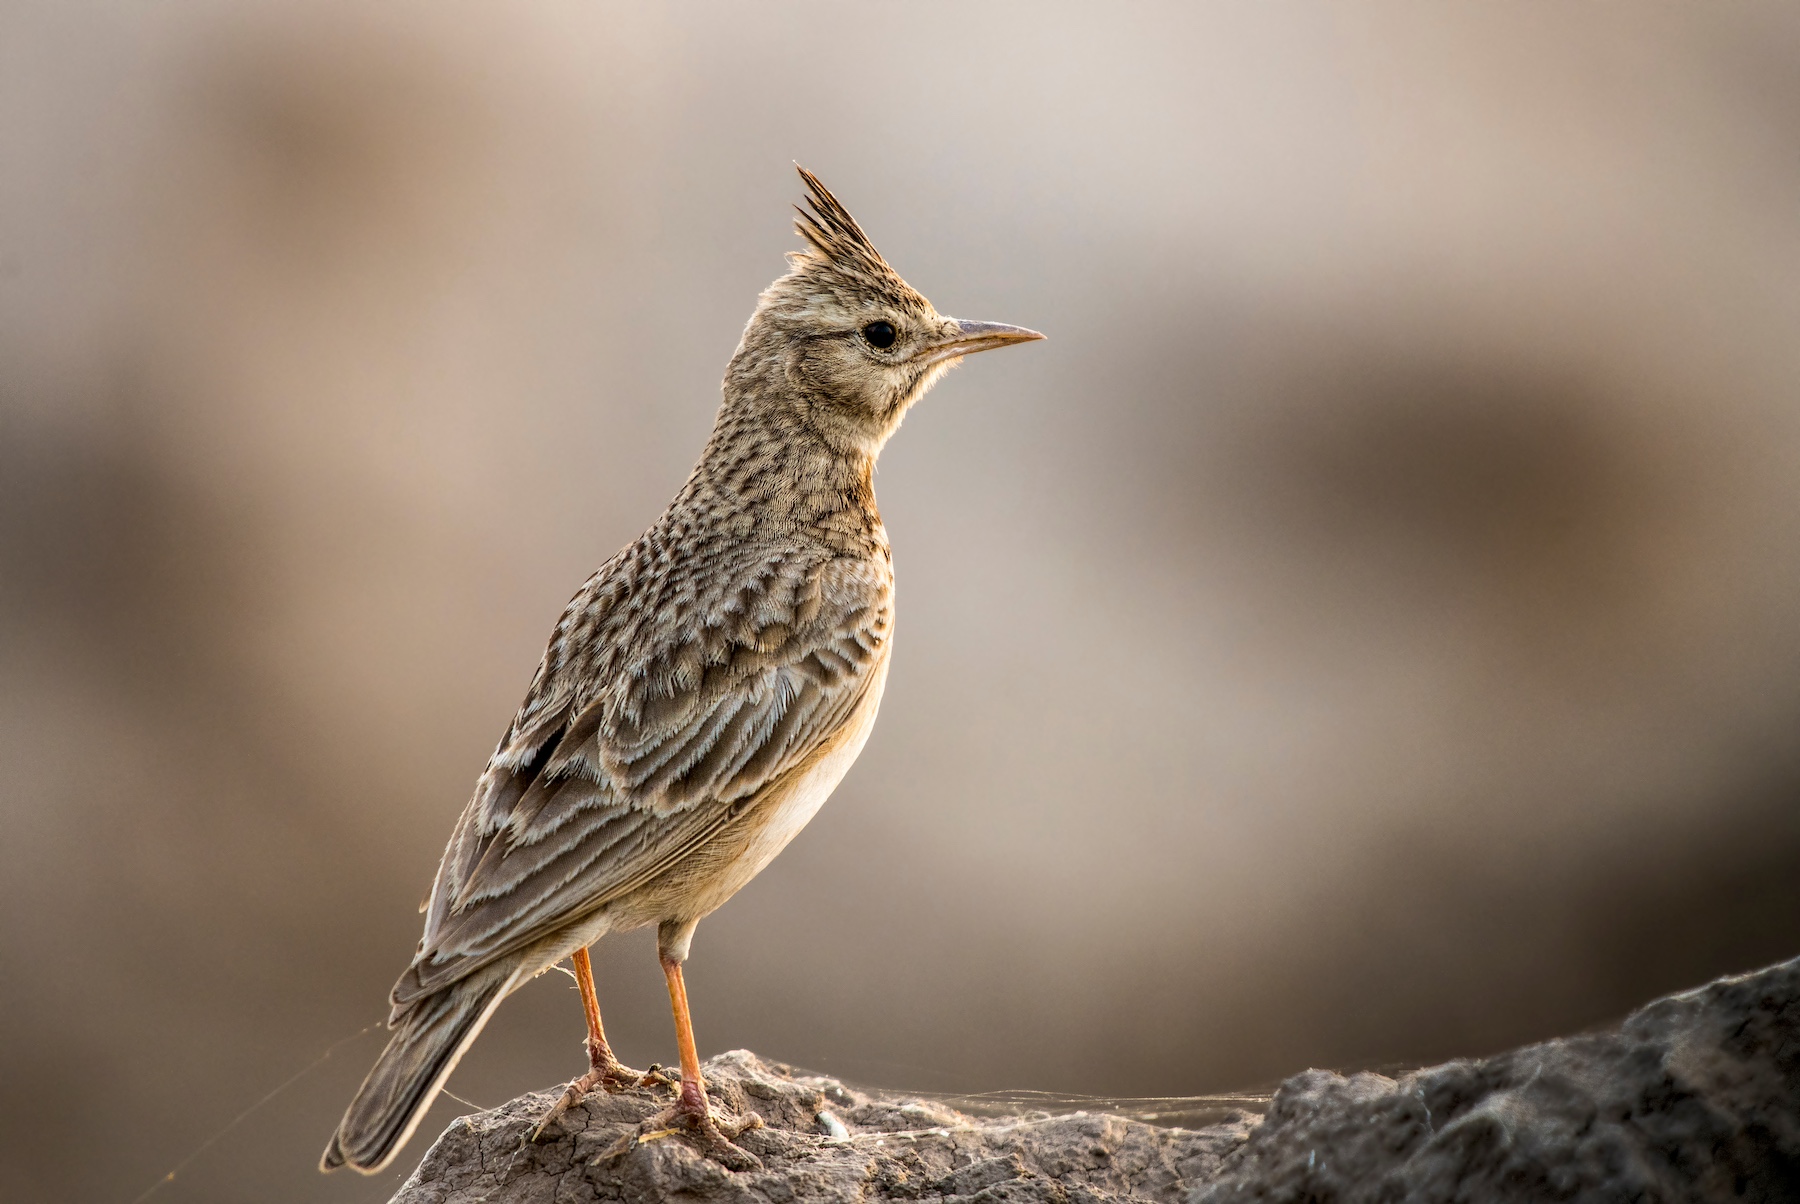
[
  {"x": 1694, "y": 1098},
  {"x": 887, "y": 1148}
]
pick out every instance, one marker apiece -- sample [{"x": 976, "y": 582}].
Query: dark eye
[{"x": 879, "y": 334}]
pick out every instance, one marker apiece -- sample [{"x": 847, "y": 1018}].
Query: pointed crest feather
[{"x": 833, "y": 232}]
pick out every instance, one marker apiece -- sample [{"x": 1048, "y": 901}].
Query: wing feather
[{"x": 601, "y": 785}]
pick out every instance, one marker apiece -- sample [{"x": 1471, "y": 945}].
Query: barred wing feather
[{"x": 586, "y": 802}]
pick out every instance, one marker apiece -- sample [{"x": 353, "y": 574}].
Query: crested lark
[{"x": 703, "y": 693}]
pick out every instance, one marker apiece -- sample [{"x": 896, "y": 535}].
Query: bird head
[{"x": 842, "y": 343}]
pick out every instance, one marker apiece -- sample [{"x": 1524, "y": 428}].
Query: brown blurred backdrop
[{"x": 1365, "y": 633}]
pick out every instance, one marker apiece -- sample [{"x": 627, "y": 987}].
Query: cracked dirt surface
[
  {"x": 1693, "y": 1098},
  {"x": 820, "y": 1141}
]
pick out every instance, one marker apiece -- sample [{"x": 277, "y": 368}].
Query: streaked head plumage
[{"x": 841, "y": 340}]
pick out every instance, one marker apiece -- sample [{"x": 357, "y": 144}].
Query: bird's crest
[
  {"x": 832, "y": 231},
  {"x": 839, "y": 247}
]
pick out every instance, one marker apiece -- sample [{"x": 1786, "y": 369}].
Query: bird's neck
[{"x": 763, "y": 479}]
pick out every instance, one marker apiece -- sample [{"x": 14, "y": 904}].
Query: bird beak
[{"x": 971, "y": 337}]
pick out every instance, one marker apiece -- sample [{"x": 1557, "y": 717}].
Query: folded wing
[{"x": 607, "y": 780}]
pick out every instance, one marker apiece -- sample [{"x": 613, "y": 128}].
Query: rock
[
  {"x": 820, "y": 1141},
  {"x": 1694, "y": 1098}
]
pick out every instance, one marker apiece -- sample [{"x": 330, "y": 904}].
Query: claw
[
  {"x": 712, "y": 1137},
  {"x": 611, "y": 1077}
]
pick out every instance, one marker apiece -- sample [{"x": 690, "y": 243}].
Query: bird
[{"x": 700, "y": 697}]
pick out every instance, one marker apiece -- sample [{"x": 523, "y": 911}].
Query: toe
[
  {"x": 715, "y": 1141},
  {"x": 712, "y": 1137},
  {"x": 573, "y": 1094}
]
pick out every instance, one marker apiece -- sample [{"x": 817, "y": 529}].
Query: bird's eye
[{"x": 879, "y": 334}]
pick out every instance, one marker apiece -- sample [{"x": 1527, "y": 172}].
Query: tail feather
[{"x": 425, "y": 1047}]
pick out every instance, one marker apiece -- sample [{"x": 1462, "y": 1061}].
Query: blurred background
[{"x": 1368, "y": 632}]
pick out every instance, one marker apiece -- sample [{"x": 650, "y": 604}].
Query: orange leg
[
  {"x": 600, "y": 1054},
  {"x": 605, "y": 1071},
  {"x": 690, "y": 1113},
  {"x": 693, "y": 1088}
]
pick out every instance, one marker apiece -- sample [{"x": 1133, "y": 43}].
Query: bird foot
[
  {"x": 713, "y": 1137},
  {"x": 610, "y": 1076}
]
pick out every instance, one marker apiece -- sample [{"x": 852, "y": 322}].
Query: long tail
[{"x": 412, "y": 1069}]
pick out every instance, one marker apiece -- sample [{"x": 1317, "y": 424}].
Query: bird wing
[{"x": 588, "y": 798}]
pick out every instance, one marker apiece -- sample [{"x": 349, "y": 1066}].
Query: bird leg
[
  {"x": 690, "y": 1114},
  {"x": 605, "y": 1071}
]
